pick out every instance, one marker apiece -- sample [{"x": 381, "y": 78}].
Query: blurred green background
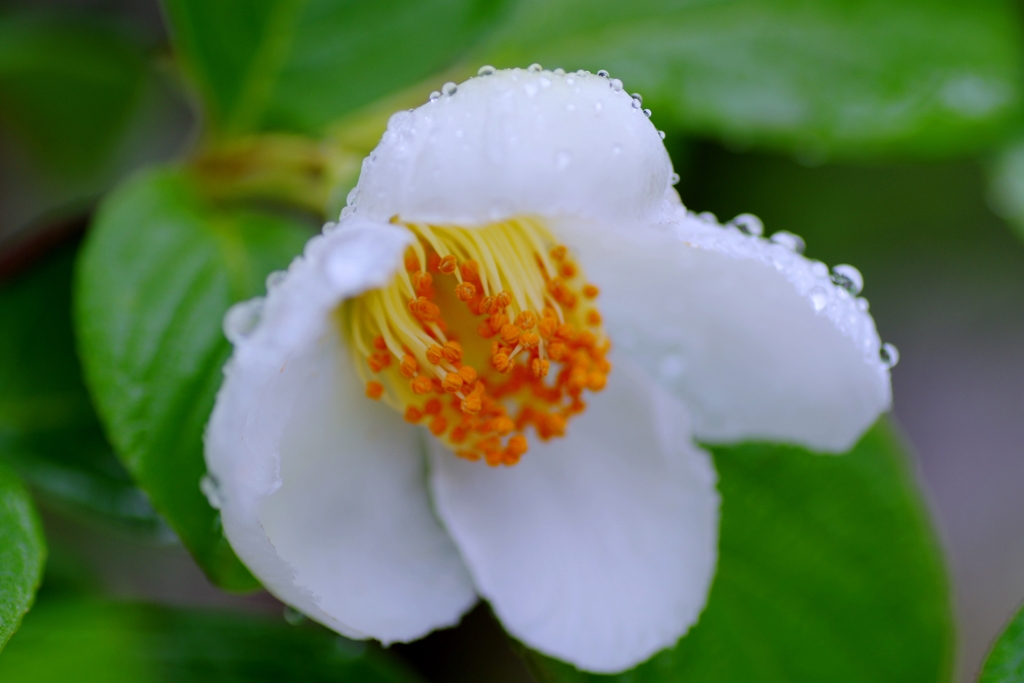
[{"x": 884, "y": 133}]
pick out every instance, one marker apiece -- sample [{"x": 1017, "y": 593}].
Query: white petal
[
  {"x": 753, "y": 337},
  {"x": 322, "y": 491},
  {"x": 598, "y": 548},
  {"x": 517, "y": 143}
]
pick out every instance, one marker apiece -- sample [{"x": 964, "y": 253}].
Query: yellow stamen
[{"x": 481, "y": 337}]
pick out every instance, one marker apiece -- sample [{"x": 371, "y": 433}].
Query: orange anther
[
  {"x": 459, "y": 434},
  {"x": 586, "y": 339},
  {"x": 465, "y": 291},
  {"x": 578, "y": 378},
  {"x": 452, "y": 382},
  {"x": 485, "y": 330},
  {"x": 487, "y": 305},
  {"x": 433, "y": 261},
  {"x": 501, "y": 362},
  {"x": 413, "y": 414},
  {"x": 493, "y": 457},
  {"x": 517, "y": 445},
  {"x": 424, "y": 309},
  {"x": 590, "y": 291},
  {"x": 472, "y": 456},
  {"x": 497, "y": 321},
  {"x": 539, "y": 367},
  {"x": 468, "y": 374},
  {"x": 438, "y": 425},
  {"x": 412, "y": 262},
  {"x": 422, "y": 281},
  {"x": 557, "y": 350},
  {"x": 510, "y": 334},
  {"x": 421, "y": 385},
  {"x": 596, "y": 381},
  {"x": 593, "y": 317},
  {"x": 547, "y": 327},
  {"x": 503, "y": 300},
  {"x": 434, "y": 354},
  {"x": 565, "y": 332},
  {"x": 433, "y": 406},
  {"x": 379, "y": 343},
  {"x": 374, "y": 390},
  {"x": 526, "y": 320},
  {"x": 472, "y": 404},
  {"x": 529, "y": 339},
  {"x": 409, "y": 366},
  {"x": 558, "y": 253},
  {"x": 447, "y": 265},
  {"x": 503, "y": 425},
  {"x": 452, "y": 351},
  {"x": 568, "y": 270}
]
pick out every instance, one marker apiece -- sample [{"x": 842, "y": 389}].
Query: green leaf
[
  {"x": 49, "y": 431},
  {"x": 828, "y": 571},
  {"x": 830, "y": 78},
  {"x": 22, "y": 553},
  {"x": 299, "y": 65},
  {"x": 67, "y": 87},
  {"x": 1005, "y": 663},
  {"x": 107, "y": 642},
  {"x": 158, "y": 271}
]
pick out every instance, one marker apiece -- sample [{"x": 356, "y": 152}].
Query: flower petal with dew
[{"x": 488, "y": 376}]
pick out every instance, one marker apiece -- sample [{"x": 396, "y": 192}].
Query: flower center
[{"x": 484, "y": 334}]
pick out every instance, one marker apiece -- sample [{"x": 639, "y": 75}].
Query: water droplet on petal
[
  {"x": 708, "y": 217},
  {"x": 211, "y": 489},
  {"x": 276, "y": 277},
  {"x": 581, "y": 72},
  {"x": 647, "y": 113},
  {"x": 449, "y": 88},
  {"x": 602, "y": 73},
  {"x": 786, "y": 239},
  {"x": 241, "y": 319},
  {"x": 293, "y": 616},
  {"x": 353, "y": 195},
  {"x": 559, "y": 71},
  {"x": 534, "y": 68},
  {"x": 862, "y": 304},
  {"x": 636, "y": 104},
  {"x": 661, "y": 134},
  {"x": 848, "y": 277},
  {"x": 434, "y": 96},
  {"x": 486, "y": 70},
  {"x": 615, "y": 84},
  {"x": 639, "y": 99},
  {"x": 674, "y": 179},
  {"x": 889, "y": 355},
  {"x": 329, "y": 227},
  {"x": 749, "y": 224},
  {"x": 819, "y": 298}
]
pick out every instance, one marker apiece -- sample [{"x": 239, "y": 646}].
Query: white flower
[{"x": 598, "y": 547}]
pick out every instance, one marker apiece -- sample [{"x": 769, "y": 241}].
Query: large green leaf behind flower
[
  {"x": 299, "y": 65},
  {"x": 22, "y": 553},
  {"x": 840, "y": 78},
  {"x": 828, "y": 571},
  {"x": 160, "y": 268},
  {"x": 93, "y": 641}
]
